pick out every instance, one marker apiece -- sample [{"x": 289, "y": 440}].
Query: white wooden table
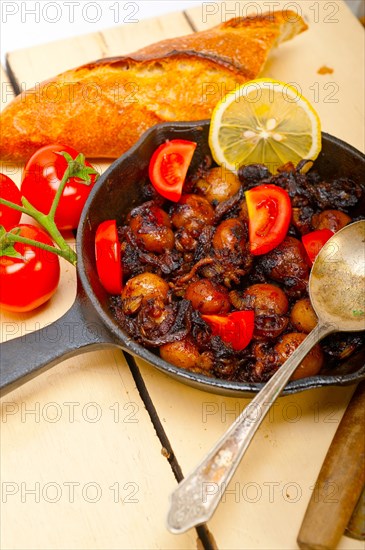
[{"x": 82, "y": 466}]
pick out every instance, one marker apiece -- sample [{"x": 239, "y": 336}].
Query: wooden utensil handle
[
  {"x": 356, "y": 526},
  {"x": 339, "y": 483}
]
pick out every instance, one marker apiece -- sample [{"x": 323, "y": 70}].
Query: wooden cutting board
[{"x": 81, "y": 464}]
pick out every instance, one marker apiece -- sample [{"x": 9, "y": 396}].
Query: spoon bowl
[
  {"x": 337, "y": 280},
  {"x": 336, "y": 289}
]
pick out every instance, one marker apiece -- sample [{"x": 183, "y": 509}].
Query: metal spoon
[{"x": 336, "y": 290}]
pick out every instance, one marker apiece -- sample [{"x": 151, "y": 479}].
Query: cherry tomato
[
  {"x": 169, "y": 165},
  {"x": 108, "y": 257},
  {"x": 235, "y": 328},
  {"x": 8, "y": 190},
  {"x": 29, "y": 281},
  {"x": 269, "y": 213},
  {"x": 42, "y": 177},
  {"x": 314, "y": 241}
]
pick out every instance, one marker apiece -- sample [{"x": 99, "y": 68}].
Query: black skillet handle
[{"x": 78, "y": 330}]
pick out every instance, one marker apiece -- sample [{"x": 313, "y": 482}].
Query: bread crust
[{"x": 103, "y": 107}]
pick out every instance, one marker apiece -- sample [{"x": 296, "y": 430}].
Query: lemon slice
[{"x": 264, "y": 121}]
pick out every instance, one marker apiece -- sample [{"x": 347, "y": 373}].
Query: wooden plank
[
  {"x": 335, "y": 39},
  {"x": 81, "y": 464},
  {"x": 275, "y": 480},
  {"x": 128, "y": 38},
  {"x": 209, "y": 14},
  {"x": 6, "y": 89},
  {"x": 33, "y": 65},
  {"x": 141, "y": 473}
]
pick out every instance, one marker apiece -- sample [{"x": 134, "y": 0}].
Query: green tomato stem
[
  {"x": 10, "y": 237},
  {"x": 14, "y": 206},
  {"x": 56, "y": 200},
  {"x": 54, "y": 232},
  {"x": 48, "y": 224}
]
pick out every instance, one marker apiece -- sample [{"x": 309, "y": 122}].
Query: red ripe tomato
[
  {"x": 314, "y": 241},
  {"x": 108, "y": 257},
  {"x": 29, "y": 281},
  {"x": 236, "y": 328},
  {"x": 169, "y": 165},
  {"x": 8, "y": 190},
  {"x": 42, "y": 177},
  {"x": 269, "y": 214}
]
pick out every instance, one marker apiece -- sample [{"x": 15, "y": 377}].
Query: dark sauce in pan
[{"x": 181, "y": 260}]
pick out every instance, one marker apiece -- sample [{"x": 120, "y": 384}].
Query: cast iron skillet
[{"x": 89, "y": 325}]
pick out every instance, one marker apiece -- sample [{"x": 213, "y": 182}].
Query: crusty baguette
[{"x": 102, "y": 108}]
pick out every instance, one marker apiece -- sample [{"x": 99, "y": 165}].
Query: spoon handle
[{"x": 197, "y": 496}]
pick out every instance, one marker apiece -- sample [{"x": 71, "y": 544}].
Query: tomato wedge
[
  {"x": 108, "y": 257},
  {"x": 314, "y": 241},
  {"x": 169, "y": 165},
  {"x": 235, "y": 328},
  {"x": 269, "y": 213}
]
